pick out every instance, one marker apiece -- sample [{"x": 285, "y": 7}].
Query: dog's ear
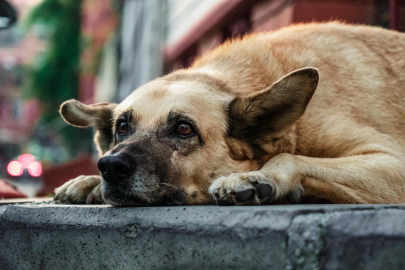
[
  {"x": 78, "y": 114},
  {"x": 273, "y": 109},
  {"x": 98, "y": 115}
]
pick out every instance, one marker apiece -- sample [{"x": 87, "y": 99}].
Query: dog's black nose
[{"x": 115, "y": 168}]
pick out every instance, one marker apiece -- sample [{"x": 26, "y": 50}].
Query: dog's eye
[
  {"x": 122, "y": 127},
  {"x": 183, "y": 129}
]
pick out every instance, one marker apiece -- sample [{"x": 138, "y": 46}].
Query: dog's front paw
[
  {"x": 82, "y": 189},
  {"x": 251, "y": 188}
]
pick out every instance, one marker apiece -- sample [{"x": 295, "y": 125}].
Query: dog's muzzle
[
  {"x": 116, "y": 167},
  {"x": 132, "y": 176}
]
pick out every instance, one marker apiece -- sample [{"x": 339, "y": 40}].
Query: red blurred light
[
  {"x": 35, "y": 169},
  {"x": 15, "y": 168},
  {"x": 26, "y": 159}
]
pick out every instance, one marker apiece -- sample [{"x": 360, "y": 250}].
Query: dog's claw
[
  {"x": 244, "y": 195},
  {"x": 253, "y": 180},
  {"x": 216, "y": 193},
  {"x": 264, "y": 190},
  {"x": 90, "y": 198}
]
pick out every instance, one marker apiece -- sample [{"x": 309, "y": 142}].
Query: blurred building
[
  {"x": 195, "y": 27},
  {"x": 159, "y": 36}
]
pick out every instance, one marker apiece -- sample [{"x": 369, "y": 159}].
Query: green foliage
[{"x": 54, "y": 77}]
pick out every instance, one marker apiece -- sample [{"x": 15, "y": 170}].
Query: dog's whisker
[{"x": 167, "y": 184}]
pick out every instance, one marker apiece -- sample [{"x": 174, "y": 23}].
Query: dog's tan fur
[{"x": 347, "y": 147}]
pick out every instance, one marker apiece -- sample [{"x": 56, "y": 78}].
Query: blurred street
[{"x": 27, "y": 185}]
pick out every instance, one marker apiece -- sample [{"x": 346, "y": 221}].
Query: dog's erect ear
[
  {"x": 97, "y": 115},
  {"x": 273, "y": 109}
]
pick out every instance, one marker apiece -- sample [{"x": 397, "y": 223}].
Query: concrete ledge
[{"x": 49, "y": 236}]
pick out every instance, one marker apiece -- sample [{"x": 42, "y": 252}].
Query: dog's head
[{"x": 167, "y": 141}]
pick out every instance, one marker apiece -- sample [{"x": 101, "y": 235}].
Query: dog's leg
[
  {"x": 370, "y": 178},
  {"x": 82, "y": 189}
]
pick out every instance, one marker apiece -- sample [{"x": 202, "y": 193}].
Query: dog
[{"x": 309, "y": 111}]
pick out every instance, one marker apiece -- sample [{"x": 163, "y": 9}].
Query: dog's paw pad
[
  {"x": 264, "y": 190},
  {"x": 294, "y": 196},
  {"x": 225, "y": 201},
  {"x": 244, "y": 195}
]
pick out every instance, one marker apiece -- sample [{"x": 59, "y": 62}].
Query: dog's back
[{"x": 360, "y": 99}]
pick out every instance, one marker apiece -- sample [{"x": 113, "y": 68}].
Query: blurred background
[{"x": 101, "y": 50}]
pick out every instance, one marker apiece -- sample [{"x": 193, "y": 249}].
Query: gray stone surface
[{"x": 49, "y": 236}]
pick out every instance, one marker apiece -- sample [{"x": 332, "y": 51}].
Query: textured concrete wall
[{"x": 41, "y": 236}]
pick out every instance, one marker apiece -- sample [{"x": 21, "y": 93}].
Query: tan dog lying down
[{"x": 244, "y": 125}]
